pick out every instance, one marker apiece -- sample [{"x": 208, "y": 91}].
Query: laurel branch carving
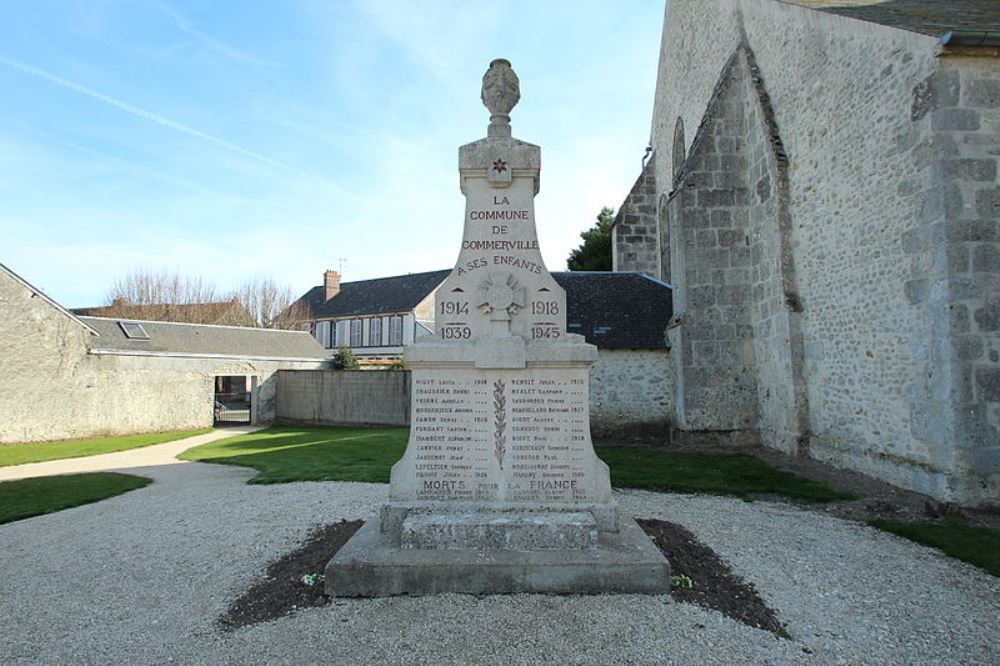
[{"x": 499, "y": 421}]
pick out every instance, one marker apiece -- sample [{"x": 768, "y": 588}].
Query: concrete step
[{"x": 507, "y": 530}]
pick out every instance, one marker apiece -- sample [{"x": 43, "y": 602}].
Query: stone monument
[{"x": 499, "y": 490}]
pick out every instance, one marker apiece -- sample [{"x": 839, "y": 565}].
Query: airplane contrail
[{"x": 174, "y": 125}]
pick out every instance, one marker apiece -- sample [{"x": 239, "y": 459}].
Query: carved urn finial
[{"x": 501, "y": 92}]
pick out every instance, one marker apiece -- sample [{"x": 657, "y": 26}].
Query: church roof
[{"x": 928, "y": 17}]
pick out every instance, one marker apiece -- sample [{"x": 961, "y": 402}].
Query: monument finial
[{"x": 501, "y": 92}]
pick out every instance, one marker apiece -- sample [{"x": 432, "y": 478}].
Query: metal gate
[{"x": 233, "y": 401}]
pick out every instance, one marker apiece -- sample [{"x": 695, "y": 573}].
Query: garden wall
[
  {"x": 628, "y": 388},
  {"x": 331, "y": 397}
]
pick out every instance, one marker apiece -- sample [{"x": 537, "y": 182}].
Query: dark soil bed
[
  {"x": 713, "y": 585},
  {"x": 284, "y": 590}
]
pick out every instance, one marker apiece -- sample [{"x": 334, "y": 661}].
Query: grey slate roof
[
  {"x": 204, "y": 340},
  {"x": 617, "y": 310},
  {"x": 612, "y": 310},
  {"x": 929, "y": 17},
  {"x": 400, "y": 293}
]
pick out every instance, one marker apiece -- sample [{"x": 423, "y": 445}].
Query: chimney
[{"x": 331, "y": 283}]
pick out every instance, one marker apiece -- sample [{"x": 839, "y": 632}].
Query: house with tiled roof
[
  {"x": 624, "y": 314},
  {"x": 611, "y": 310},
  {"x": 375, "y": 318}
]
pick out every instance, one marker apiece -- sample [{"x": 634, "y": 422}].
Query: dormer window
[{"x": 133, "y": 330}]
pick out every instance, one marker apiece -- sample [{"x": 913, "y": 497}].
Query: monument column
[{"x": 499, "y": 490}]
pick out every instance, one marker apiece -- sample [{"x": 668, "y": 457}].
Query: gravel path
[
  {"x": 145, "y": 456},
  {"x": 140, "y": 578}
]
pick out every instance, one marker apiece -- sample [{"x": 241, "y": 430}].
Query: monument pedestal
[
  {"x": 499, "y": 490},
  {"x": 372, "y": 564}
]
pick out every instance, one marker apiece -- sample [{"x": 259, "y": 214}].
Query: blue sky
[{"x": 241, "y": 139}]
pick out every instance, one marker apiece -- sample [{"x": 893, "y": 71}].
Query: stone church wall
[
  {"x": 635, "y": 245},
  {"x": 959, "y": 287},
  {"x": 873, "y": 273}
]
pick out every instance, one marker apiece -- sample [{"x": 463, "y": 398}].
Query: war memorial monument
[{"x": 499, "y": 490}]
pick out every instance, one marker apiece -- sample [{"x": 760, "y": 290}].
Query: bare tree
[
  {"x": 164, "y": 296},
  {"x": 167, "y": 296},
  {"x": 271, "y": 305}
]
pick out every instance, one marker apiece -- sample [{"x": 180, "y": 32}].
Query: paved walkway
[{"x": 146, "y": 456}]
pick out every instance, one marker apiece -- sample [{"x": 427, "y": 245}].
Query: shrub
[{"x": 344, "y": 360}]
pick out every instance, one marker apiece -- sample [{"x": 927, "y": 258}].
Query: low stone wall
[
  {"x": 90, "y": 395},
  {"x": 631, "y": 389},
  {"x": 330, "y": 397}
]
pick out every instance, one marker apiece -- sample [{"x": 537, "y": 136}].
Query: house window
[
  {"x": 342, "y": 332},
  {"x": 396, "y": 331},
  {"x": 356, "y": 332},
  {"x": 323, "y": 333},
  {"x": 375, "y": 332},
  {"x": 333, "y": 334}
]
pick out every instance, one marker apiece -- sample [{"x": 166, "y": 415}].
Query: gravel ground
[{"x": 141, "y": 578}]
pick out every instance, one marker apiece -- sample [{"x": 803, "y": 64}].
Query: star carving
[{"x": 499, "y": 166}]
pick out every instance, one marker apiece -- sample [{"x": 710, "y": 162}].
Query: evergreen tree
[{"x": 594, "y": 254}]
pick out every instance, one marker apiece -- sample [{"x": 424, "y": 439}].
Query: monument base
[{"x": 373, "y": 564}]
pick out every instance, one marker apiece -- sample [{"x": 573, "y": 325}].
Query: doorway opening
[{"x": 232, "y": 400}]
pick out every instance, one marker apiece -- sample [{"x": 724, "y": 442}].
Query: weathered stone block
[
  {"x": 914, "y": 240},
  {"x": 946, "y": 120},
  {"x": 739, "y": 256},
  {"x": 942, "y": 201},
  {"x": 972, "y": 230},
  {"x": 968, "y": 347},
  {"x": 978, "y": 170},
  {"x": 937, "y": 91},
  {"x": 916, "y": 291},
  {"x": 964, "y": 288},
  {"x": 988, "y": 204},
  {"x": 499, "y": 530},
  {"x": 715, "y": 198},
  {"x": 730, "y": 237},
  {"x": 958, "y": 317},
  {"x": 733, "y": 295},
  {"x": 703, "y": 297},
  {"x": 706, "y": 238},
  {"x": 988, "y": 316},
  {"x": 986, "y": 258},
  {"x": 983, "y": 93}
]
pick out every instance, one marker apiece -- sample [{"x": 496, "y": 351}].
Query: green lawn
[
  {"x": 33, "y": 497},
  {"x": 976, "y": 545},
  {"x": 712, "y": 473},
  {"x": 283, "y": 454},
  {"x": 19, "y": 454}
]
